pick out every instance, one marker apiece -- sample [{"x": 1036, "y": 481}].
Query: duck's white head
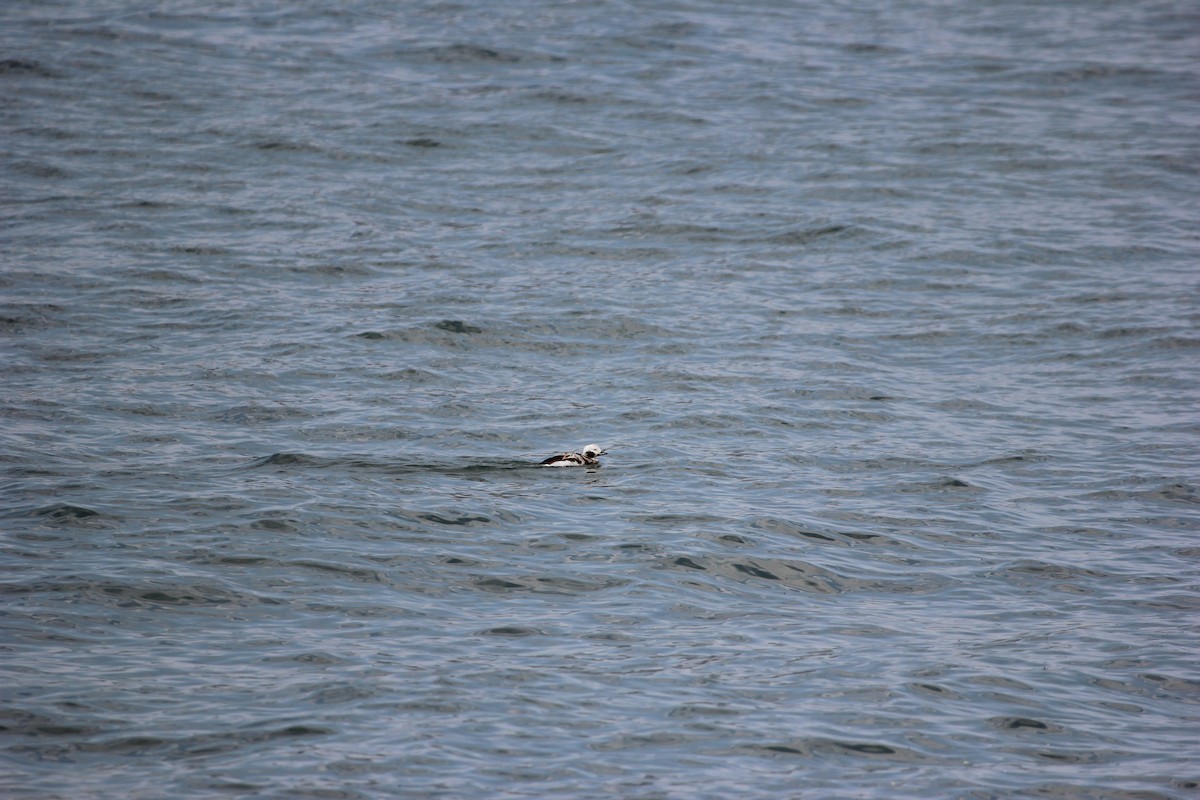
[{"x": 593, "y": 450}]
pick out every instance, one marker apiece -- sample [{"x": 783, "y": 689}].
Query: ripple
[
  {"x": 818, "y": 747},
  {"x": 895, "y": 356},
  {"x": 799, "y": 575}
]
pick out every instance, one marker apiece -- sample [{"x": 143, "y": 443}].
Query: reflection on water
[{"x": 887, "y": 317}]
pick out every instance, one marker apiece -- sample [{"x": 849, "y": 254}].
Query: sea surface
[{"x": 888, "y": 314}]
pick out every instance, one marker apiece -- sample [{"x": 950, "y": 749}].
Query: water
[{"x": 887, "y": 315}]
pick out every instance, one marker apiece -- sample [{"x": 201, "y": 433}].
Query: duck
[{"x": 585, "y": 458}]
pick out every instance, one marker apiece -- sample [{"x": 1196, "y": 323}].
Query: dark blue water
[{"x": 886, "y": 313}]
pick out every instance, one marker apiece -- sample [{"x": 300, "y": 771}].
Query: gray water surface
[{"x": 887, "y": 314}]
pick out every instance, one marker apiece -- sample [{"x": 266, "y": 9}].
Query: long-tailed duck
[{"x": 585, "y": 459}]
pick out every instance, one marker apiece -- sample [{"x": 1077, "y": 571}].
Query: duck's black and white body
[{"x": 586, "y": 458}]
